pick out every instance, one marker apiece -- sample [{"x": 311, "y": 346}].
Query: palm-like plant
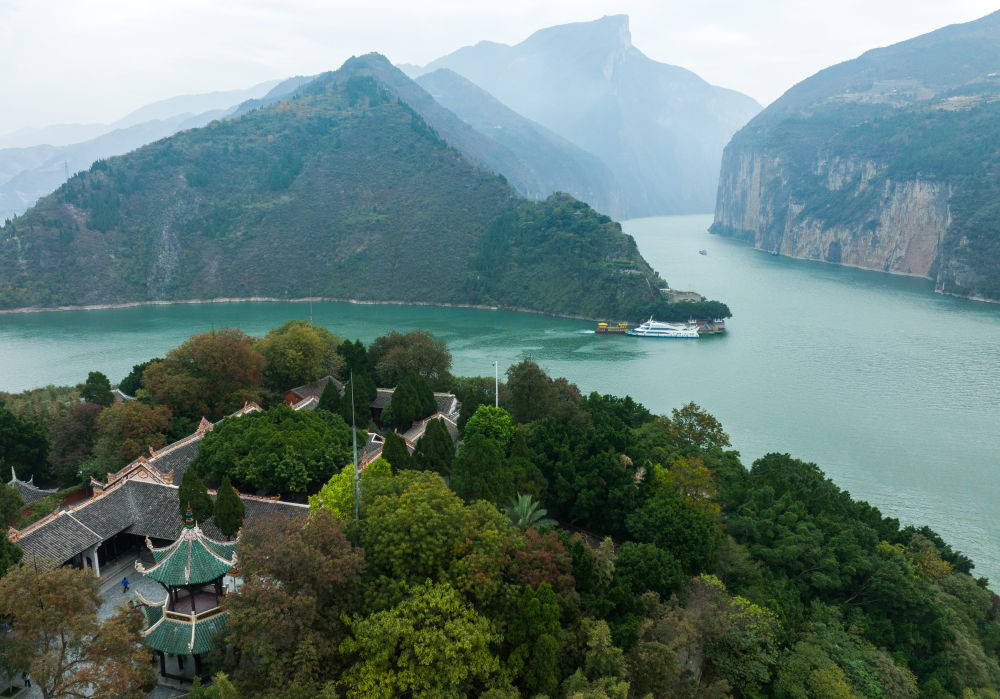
[{"x": 524, "y": 511}]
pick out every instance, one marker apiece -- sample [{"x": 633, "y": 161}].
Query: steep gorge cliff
[
  {"x": 892, "y": 226},
  {"x": 889, "y": 162}
]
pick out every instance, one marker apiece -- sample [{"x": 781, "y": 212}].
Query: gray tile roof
[
  {"x": 27, "y": 489},
  {"x": 317, "y": 387},
  {"x": 382, "y": 397},
  {"x": 58, "y": 540},
  {"x": 135, "y": 507},
  {"x": 176, "y": 460},
  {"x": 447, "y": 403},
  {"x": 109, "y": 514}
]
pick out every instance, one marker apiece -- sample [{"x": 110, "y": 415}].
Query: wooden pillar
[
  {"x": 163, "y": 663},
  {"x": 180, "y": 662},
  {"x": 197, "y": 665},
  {"x": 191, "y": 593}
]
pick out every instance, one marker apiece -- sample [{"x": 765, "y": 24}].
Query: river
[{"x": 893, "y": 390}]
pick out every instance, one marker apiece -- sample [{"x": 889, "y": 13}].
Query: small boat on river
[{"x": 652, "y": 328}]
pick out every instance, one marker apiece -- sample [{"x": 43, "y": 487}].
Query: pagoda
[{"x": 191, "y": 569}]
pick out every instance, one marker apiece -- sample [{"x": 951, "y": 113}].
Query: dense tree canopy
[
  {"x": 664, "y": 567},
  {"x": 72, "y": 438},
  {"x": 298, "y": 353},
  {"x": 210, "y": 375},
  {"x": 276, "y": 451},
  {"x": 128, "y": 430},
  {"x": 23, "y": 446},
  {"x": 396, "y": 355}
]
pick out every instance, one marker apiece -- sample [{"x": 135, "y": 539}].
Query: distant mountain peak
[{"x": 610, "y": 32}]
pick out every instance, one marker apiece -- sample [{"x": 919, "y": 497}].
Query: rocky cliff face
[
  {"x": 897, "y": 226},
  {"x": 889, "y": 162}
]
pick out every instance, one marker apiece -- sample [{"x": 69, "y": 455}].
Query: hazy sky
[{"x": 95, "y": 60}]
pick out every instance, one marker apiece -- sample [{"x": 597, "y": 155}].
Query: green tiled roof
[
  {"x": 191, "y": 560},
  {"x": 180, "y": 634}
]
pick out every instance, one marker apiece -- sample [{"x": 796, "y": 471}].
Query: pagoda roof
[
  {"x": 180, "y": 634},
  {"x": 192, "y": 559}
]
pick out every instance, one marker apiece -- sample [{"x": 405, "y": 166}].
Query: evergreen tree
[
  {"x": 229, "y": 509},
  {"x": 97, "y": 389},
  {"x": 396, "y": 453},
  {"x": 331, "y": 399},
  {"x": 364, "y": 394},
  {"x": 411, "y": 400},
  {"x": 194, "y": 493},
  {"x": 435, "y": 450}
]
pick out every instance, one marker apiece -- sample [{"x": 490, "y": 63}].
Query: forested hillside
[{"x": 341, "y": 191}]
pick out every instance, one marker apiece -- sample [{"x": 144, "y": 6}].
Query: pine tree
[
  {"x": 396, "y": 453},
  {"x": 194, "y": 493},
  {"x": 229, "y": 509},
  {"x": 435, "y": 450},
  {"x": 331, "y": 399}
]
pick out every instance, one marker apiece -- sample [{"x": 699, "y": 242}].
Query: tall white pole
[
  {"x": 354, "y": 439},
  {"x": 496, "y": 384}
]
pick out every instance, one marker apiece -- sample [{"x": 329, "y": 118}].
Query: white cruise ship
[{"x": 651, "y": 328}]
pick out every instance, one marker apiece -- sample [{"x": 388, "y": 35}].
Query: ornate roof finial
[
  {"x": 189, "y": 517},
  {"x": 151, "y": 452}
]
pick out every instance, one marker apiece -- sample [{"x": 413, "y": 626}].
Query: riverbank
[{"x": 271, "y": 299}]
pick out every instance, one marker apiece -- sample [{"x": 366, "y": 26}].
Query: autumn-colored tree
[
  {"x": 432, "y": 644},
  {"x": 541, "y": 558},
  {"x": 298, "y": 353},
  {"x": 299, "y": 581},
  {"x": 210, "y": 375},
  {"x": 56, "y": 633},
  {"x": 229, "y": 509},
  {"x": 127, "y": 430},
  {"x": 689, "y": 478},
  {"x": 72, "y": 437},
  {"x": 395, "y": 355}
]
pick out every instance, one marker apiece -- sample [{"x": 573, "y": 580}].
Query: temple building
[{"x": 191, "y": 571}]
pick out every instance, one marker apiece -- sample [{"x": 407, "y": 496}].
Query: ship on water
[{"x": 652, "y": 328}]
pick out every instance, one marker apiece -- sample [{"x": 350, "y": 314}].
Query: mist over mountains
[
  {"x": 33, "y": 162},
  {"x": 660, "y": 129}
]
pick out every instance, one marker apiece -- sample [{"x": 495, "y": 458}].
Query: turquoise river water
[{"x": 893, "y": 390}]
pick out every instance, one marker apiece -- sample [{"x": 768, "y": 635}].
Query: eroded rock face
[{"x": 895, "y": 227}]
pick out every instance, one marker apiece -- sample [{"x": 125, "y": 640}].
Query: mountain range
[
  {"x": 33, "y": 162},
  {"x": 340, "y": 189},
  {"x": 659, "y": 128},
  {"x": 890, "y": 161}
]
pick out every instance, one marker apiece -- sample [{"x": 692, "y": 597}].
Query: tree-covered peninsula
[{"x": 340, "y": 191}]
